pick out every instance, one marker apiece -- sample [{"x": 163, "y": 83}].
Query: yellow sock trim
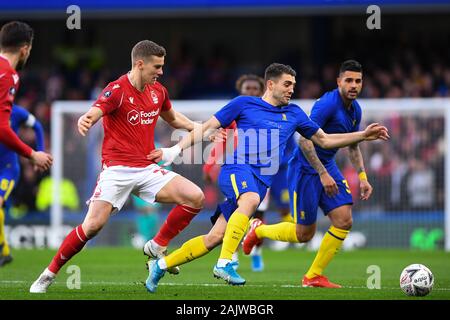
[
  {"x": 237, "y": 224},
  {"x": 287, "y": 218},
  {"x": 283, "y": 231},
  {"x": 190, "y": 250},
  {"x": 5, "y": 248},
  {"x": 331, "y": 243}
]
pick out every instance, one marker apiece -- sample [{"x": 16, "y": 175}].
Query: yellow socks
[
  {"x": 190, "y": 250},
  {"x": 331, "y": 243},
  {"x": 3, "y": 243},
  {"x": 283, "y": 231},
  {"x": 237, "y": 225},
  {"x": 287, "y": 218}
]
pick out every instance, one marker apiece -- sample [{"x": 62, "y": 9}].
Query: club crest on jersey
[
  {"x": 107, "y": 94},
  {"x": 12, "y": 91},
  {"x": 283, "y": 117},
  {"x": 154, "y": 97}
]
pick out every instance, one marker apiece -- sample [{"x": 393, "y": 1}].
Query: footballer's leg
[
  {"x": 341, "y": 220},
  {"x": 256, "y": 253},
  {"x": 97, "y": 216},
  {"x": 236, "y": 227},
  {"x": 189, "y": 199},
  {"x": 190, "y": 250},
  {"x": 6, "y": 187}
]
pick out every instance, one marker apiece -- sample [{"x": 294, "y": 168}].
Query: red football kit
[
  {"x": 129, "y": 121},
  {"x": 9, "y": 84}
]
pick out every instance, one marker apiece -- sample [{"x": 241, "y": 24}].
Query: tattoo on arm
[
  {"x": 356, "y": 158},
  {"x": 310, "y": 154}
]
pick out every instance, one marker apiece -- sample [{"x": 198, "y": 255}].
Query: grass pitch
[{"x": 119, "y": 273}]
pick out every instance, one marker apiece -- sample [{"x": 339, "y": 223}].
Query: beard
[{"x": 280, "y": 99}]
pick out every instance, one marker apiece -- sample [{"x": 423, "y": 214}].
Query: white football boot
[
  {"x": 43, "y": 282},
  {"x": 152, "y": 252}
]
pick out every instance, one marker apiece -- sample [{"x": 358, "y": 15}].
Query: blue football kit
[
  {"x": 264, "y": 131},
  {"x": 306, "y": 192}
]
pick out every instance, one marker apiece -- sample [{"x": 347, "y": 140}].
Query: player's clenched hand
[
  {"x": 330, "y": 186},
  {"x": 84, "y": 124},
  {"x": 41, "y": 160},
  {"x": 376, "y": 131},
  {"x": 365, "y": 189},
  {"x": 167, "y": 155}
]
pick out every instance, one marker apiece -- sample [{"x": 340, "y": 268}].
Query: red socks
[
  {"x": 176, "y": 221},
  {"x": 71, "y": 245}
]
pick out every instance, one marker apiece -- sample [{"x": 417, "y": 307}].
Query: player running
[
  {"x": 15, "y": 46},
  {"x": 130, "y": 107},
  {"x": 10, "y": 171},
  {"x": 315, "y": 180},
  {"x": 252, "y": 85},
  {"x": 16, "y": 40},
  {"x": 264, "y": 127}
]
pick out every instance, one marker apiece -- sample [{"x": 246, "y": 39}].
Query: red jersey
[
  {"x": 129, "y": 121},
  {"x": 9, "y": 84}
]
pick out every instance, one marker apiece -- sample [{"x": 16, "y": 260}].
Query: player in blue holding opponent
[
  {"x": 10, "y": 171},
  {"x": 264, "y": 126},
  {"x": 315, "y": 180}
]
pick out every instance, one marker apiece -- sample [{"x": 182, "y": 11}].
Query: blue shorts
[
  {"x": 235, "y": 180},
  {"x": 279, "y": 189},
  {"x": 307, "y": 194},
  {"x": 9, "y": 176}
]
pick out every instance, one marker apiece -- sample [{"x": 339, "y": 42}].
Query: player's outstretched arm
[
  {"x": 308, "y": 150},
  {"x": 373, "y": 131},
  {"x": 169, "y": 154},
  {"x": 87, "y": 120},
  {"x": 178, "y": 120}
]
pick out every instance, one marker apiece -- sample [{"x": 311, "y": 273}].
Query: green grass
[{"x": 119, "y": 273}]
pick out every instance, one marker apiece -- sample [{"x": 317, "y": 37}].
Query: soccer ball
[{"x": 416, "y": 280}]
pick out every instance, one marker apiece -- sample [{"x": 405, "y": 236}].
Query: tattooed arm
[
  {"x": 310, "y": 154},
  {"x": 358, "y": 163}
]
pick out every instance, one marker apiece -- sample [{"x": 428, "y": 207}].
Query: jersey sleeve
[
  {"x": 321, "y": 112},
  {"x": 230, "y": 112},
  {"x": 109, "y": 99},
  {"x": 305, "y": 126},
  {"x": 22, "y": 116},
  {"x": 167, "y": 105},
  {"x": 8, "y": 137},
  {"x": 7, "y": 91}
]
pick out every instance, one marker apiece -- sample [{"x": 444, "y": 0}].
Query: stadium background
[{"x": 209, "y": 46}]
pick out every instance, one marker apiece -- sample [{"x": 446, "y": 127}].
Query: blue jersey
[
  {"x": 263, "y": 132},
  {"x": 330, "y": 113},
  {"x": 19, "y": 117},
  {"x": 291, "y": 146}
]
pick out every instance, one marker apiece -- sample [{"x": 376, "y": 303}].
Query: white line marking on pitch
[{"x": 112, "y": 283}]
